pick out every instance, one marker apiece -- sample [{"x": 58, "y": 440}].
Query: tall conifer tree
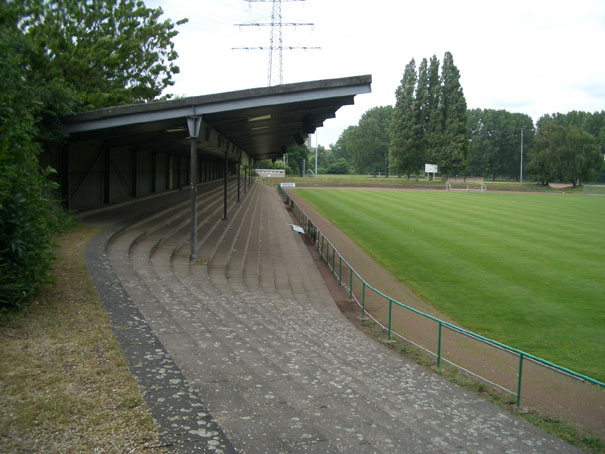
[
  {"x": 453, "y": 151},
  {"x": 421, "y": 112},
  {"x": 402, "y": 124},
  {"x": 433, "y": 126}
]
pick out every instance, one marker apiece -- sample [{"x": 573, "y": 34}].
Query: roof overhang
[{"x": 263, "y": 122}]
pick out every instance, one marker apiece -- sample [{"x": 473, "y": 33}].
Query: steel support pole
[
  {"x": 193, "y": 178},
  {"x": 521, "y": 171},
  {"x": 193, "y": 124},
  {"x": 225, "y": 187},
  {"x": 239, "y": 170},
  {"x": 106, "y": 173}
]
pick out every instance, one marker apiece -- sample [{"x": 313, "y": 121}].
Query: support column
[
  {"x": 106, "y": 172},
  {"x": 154, "y": 158},
  {"x": 225, "y": 187},
  {"x": 239, "y": 170},
  {"x": 133, "y": 172},
  {"x": 193, "y": 124}
]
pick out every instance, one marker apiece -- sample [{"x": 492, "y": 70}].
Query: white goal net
[
  {"x": 594, "y": 189},
  {"x": 449, "y": 187}
]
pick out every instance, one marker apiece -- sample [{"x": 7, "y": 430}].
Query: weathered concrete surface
[{"x": 266, "y": 358}]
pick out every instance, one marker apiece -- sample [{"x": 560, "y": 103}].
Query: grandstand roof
[{"x": 263, "y": 122}]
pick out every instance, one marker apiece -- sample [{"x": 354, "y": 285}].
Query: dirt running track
[{"x": 552, "y": 393}]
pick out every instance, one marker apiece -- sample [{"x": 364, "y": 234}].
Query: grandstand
[{"x": 245, "y": 350}]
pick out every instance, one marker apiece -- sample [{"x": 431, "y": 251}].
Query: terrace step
[{"x": 254, "y": 329}]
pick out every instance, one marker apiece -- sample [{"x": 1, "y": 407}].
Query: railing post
[
  {"x": 340, "y": 269},
  {"x": 363, "y": 299},
  {"x": 322, "y": 245},
  {"x": 519, "y": 379},
  {"x": 390, "y": 307},
  {"x": 350, "y": 281},
  {"x": 333, "y": 260},
  {"x": 439, "y": 347}
]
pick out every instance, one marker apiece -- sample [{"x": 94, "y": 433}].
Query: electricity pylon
[{"x": 276, "y": 72}]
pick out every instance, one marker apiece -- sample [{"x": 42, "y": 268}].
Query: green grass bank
[{"x": 523, "y": 269}]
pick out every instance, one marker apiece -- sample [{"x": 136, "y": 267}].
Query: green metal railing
[{"x": 335, "y": 262}]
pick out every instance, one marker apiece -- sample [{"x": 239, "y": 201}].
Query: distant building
[{"x": 270, "y": 173}]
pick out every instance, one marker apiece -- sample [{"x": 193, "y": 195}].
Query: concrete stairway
[{"x": 252, "y": 326}]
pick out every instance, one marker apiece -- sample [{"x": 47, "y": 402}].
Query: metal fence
[{"x": 509, "y": 369}]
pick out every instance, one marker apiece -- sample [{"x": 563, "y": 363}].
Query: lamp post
[{"x": 193, "y": 124}]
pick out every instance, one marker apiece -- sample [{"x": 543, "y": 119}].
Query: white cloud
[{"x": 534, "y": 57}]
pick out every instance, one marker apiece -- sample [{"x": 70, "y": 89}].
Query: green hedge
[{"x": 29, "y": 215}]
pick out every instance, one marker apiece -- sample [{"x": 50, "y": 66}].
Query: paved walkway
[{"x": 245, "y": 350}]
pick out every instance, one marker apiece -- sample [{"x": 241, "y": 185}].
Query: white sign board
[
  {"x": 430, "y": 168},
  {"x": 288, "y": 185}
]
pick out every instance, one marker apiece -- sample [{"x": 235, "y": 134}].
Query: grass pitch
[{"x": 527, "y": 270}]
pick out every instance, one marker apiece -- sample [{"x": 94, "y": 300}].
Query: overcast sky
[{"x": 528, "y": 56}]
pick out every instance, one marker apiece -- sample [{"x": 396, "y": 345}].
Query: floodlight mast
[
  {"x": 275, "y": 72},
  {"x": 521, "y": 172}
]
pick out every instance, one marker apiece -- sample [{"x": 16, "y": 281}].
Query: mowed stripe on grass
[{"x": 527, "y": 270}]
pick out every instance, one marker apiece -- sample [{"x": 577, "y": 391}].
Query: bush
[
  {"x": 29, "y": 215},
  {"x": 339, "y": 167}
]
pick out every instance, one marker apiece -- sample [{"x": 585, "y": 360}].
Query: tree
[
  {"x": 296, "y": 156},
  {"x": 325, "y": 157},
  {"x": 433, "y": 129},
  {"x": 57, "y": 58},
  {"x": 593, "y": 123},
  {"x": 365, "y": 146},
  {"x": 421, "y": 112},
  {"x": 108, "y": 52},
  {"x": 430, "y": 119},
  {"x": 28, "y": 214},
  {"x": 454, "y": 147},
  {"x": 403, "y": 149},
  {"x": 564, "y": 153},
  {"x": 338, "y": 167},
  {"x": 495, "y": 142},
  {"x": 370, "y": 140},
  {"x": 343, "y": 148}
]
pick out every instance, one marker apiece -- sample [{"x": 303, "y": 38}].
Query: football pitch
[{"x": 527, "y": 270}]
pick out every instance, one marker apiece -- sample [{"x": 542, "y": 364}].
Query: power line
[{"x": 275, "y": 72}]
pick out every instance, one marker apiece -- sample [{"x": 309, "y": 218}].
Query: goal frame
[{"x": 600, "y": 191}]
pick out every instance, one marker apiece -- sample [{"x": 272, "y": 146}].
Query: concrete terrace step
[
  {"x": 228, "y": 318},
  {"x": 245, "y": 345},
  {"x": 160, "y": 221},
  {"x": 171, "y": 223},
  {"x": 255, "y": 331}
]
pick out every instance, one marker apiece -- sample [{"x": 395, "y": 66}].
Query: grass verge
[
  {"x": 394, "y": 182},
  {"x": 65, "y": 385}
]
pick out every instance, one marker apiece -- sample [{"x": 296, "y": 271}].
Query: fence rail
[{"x": 336, "y": 263}]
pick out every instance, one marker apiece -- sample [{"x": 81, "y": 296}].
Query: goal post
[
  {"x": 465, "y": 187},
  {"x": 594, "y": 189}
]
